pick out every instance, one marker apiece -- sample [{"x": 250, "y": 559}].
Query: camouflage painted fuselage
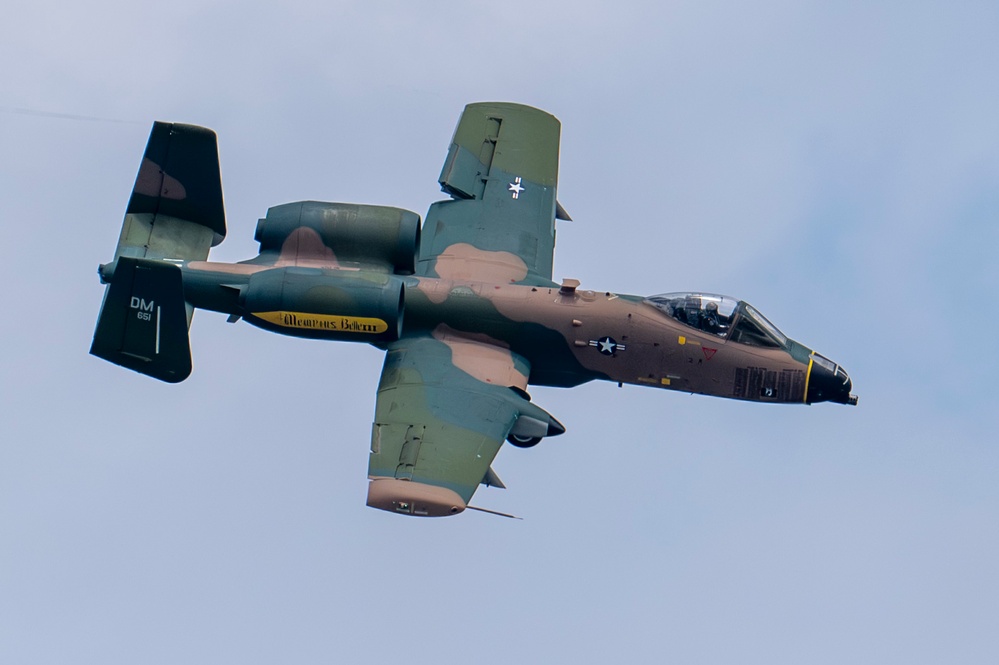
[{"x": 566, "y": 335}]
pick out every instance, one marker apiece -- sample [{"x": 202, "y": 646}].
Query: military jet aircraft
[{"x": 464, "y": 306}]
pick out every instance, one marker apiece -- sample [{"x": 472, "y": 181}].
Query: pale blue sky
[{"x": 837, "y": 166}]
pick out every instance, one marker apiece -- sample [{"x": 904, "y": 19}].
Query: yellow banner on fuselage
[{"x": 324, "y": 322}]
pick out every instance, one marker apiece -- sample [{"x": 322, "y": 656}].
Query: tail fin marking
[{"x": 143, "y": 322}]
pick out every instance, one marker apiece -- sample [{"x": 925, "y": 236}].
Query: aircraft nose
[{"x": 828, "y": 382}]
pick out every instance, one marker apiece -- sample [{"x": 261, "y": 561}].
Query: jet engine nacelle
[
  {"x": 348, "y": 234},
  {"x": 343, "y": 305}
]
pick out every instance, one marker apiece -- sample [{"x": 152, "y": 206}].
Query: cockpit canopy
[{"x": 726, "y": 317}]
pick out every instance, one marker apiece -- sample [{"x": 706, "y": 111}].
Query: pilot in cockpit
[
  {"x": 709, "y": 318},
  {"x": 713, "y": 321}
]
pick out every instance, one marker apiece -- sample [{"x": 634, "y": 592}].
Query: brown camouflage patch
[
  {"x": 151, "y": 181},
  {"x": 487, "y": 359},
  {"x": 464, "y": 262},
  {"x": 304, "y": 247}
]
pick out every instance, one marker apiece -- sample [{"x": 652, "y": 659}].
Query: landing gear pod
[{"x": 409, "y": 498}]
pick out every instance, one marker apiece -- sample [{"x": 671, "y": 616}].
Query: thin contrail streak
[{"x": 64, "y": 116}]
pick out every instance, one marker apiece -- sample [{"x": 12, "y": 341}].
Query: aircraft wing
[
  {"x": 444, "y": 408},
  {"x": 501, "y": 172}
]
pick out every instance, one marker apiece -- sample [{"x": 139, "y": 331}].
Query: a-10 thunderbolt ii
[{"x": 464, "y": 307}]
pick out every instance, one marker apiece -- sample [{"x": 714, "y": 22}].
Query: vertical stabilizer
[
  {"x": 176, "y": 209},
  {"x": 143, "y": 320}
]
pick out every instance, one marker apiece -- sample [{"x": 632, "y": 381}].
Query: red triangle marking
[{"x": 708, "y": 353}]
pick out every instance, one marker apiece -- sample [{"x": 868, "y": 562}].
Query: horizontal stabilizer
[{"x": 143, "y": 321}]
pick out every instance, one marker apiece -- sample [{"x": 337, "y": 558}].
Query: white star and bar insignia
[
  {"x": 607, "y": 345},
  {"x": 516, "y": 187}
]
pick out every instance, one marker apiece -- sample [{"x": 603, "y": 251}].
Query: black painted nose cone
[{"x": 829, "y": 382}]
